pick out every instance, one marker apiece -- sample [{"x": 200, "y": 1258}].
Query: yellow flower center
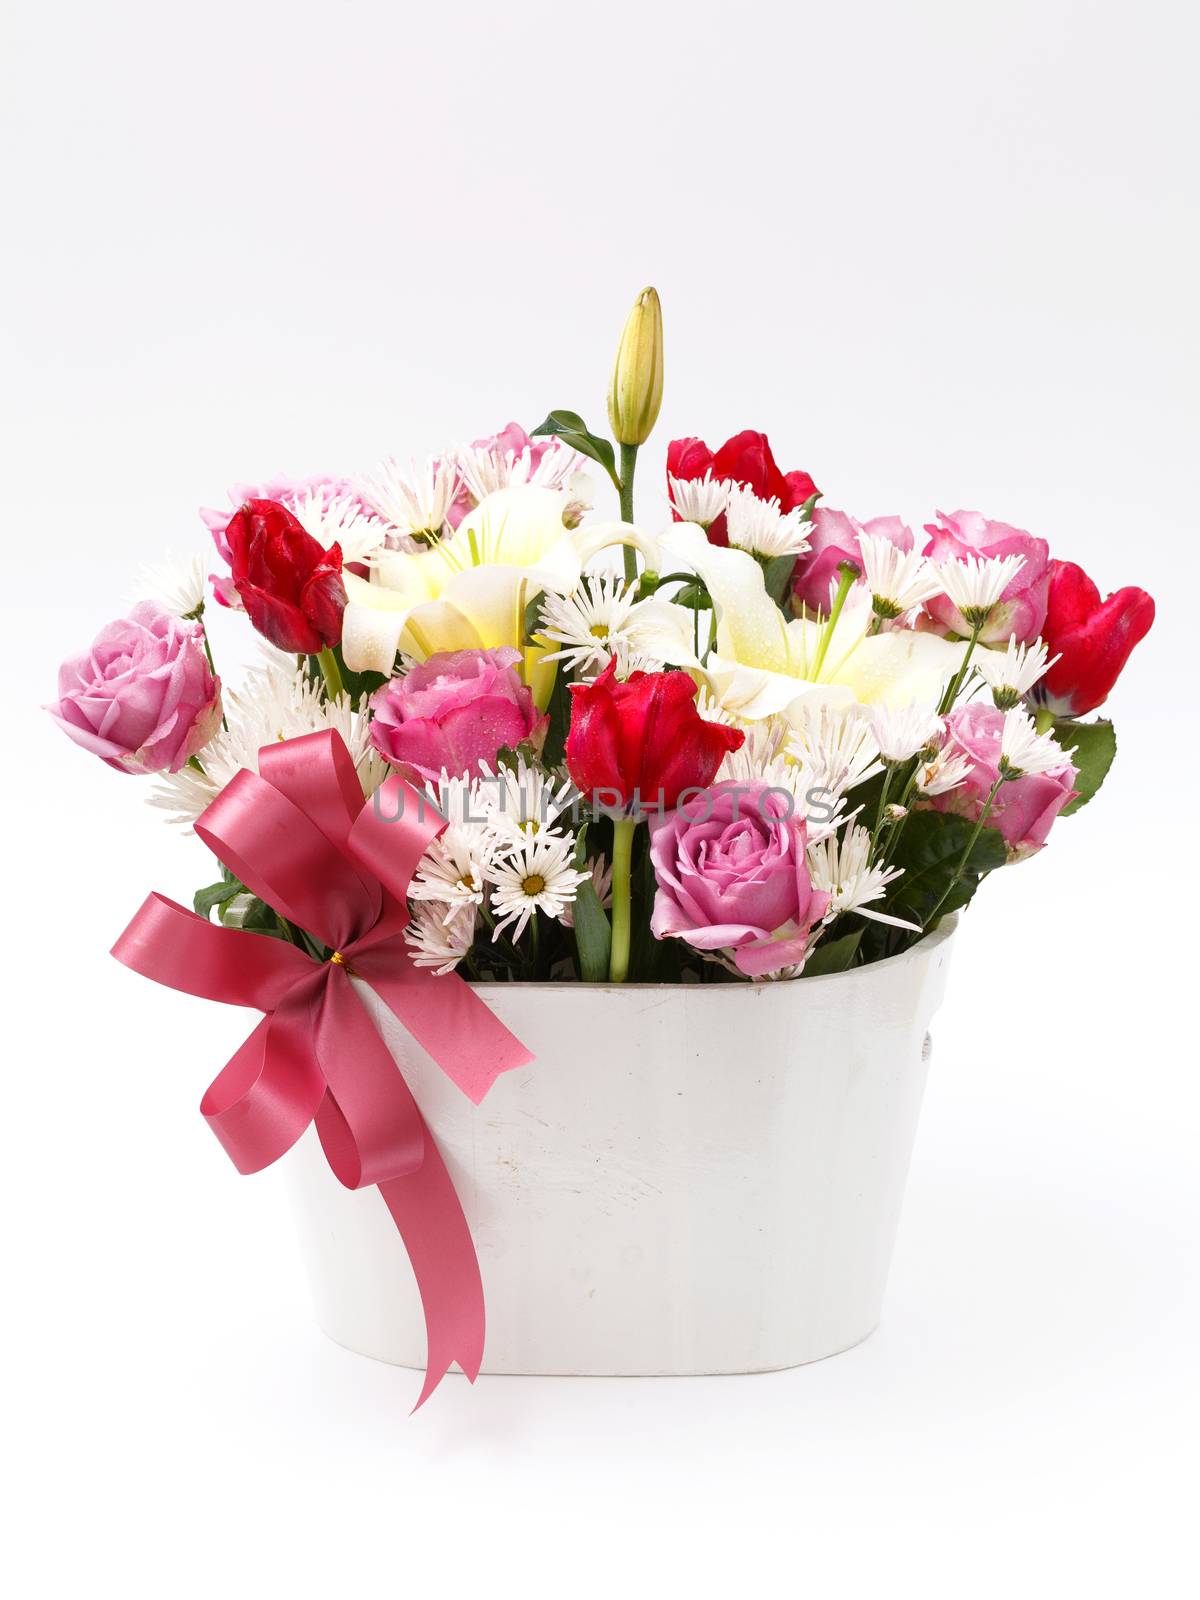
[{"x": 533, "y": 884}]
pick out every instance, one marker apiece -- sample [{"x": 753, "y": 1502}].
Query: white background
[{"x": 945, "y": 253}]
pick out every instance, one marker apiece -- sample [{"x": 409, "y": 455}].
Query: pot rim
[{"x": 923, "y": 947}]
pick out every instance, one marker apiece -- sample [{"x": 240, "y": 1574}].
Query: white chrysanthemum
[
  {"x": 898, "y": 580},
  {"x": 710, "y": 708},
  {"x": 760, "y": 527},
  {"x": 592, "y": 624},
  {"x": 1011, "y": 673},
  {"x": 766, "y": 758},
  {"x": 538, "y": 875},
  {"x": 416, "y": 501},
  {"x": 487, "y": 468},
  {"x": 440, "y": 936},
  {"x": 600, "y": 873},
  {"x": 178, "y": 584},
  {"x": 341, "y": 521},
  {"x": 275, "y": 702},
  {"x": 1024, "y": 751},
  {"x": 842, "y": 869},
  {"x": 943, "y": 771},
  {"x": 975, "y": 584},
  {"x": 835, "y": 743},
  {"x": 699, "y": 500},
  {"x": 903, "y": 730},
  {"x": 523, "y": 802}
]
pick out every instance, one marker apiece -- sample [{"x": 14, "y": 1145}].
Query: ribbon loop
[{"x": 298, "y": 834}]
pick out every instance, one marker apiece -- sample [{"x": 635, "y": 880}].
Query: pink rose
[
  {"x": 458, "y": 709},
  {"x": 144, "y": 697},
  {"x": 1022, "y": 607},
  {"x": 1024, "y": 808},
  {"x": 732, "y": 875},
  {"x": 832, "y": 539}
]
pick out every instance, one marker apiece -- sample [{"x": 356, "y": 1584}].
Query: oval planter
[{"x": 687, "y": 1179}]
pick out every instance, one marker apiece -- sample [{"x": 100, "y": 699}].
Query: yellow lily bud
[{"x": 637, "y": 381}]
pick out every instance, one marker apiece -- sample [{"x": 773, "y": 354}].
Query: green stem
[
  {"x": 848, "y": 575},
  {"x": 879, "y": 814},
  {"x": 622, "y": 861},
  {"x": 966, "y": 855},
  {"x": 198, "y": 616},
  {"x": 1043, "y": 719},
  {"x": 951, "y": 694},
  {"x": 628, "y": 466},
  {"x": 331, "y": 672}
]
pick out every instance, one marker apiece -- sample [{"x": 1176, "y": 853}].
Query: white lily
[
  {"x": 468, "y": 592},
  {"x": 764, "y": 664}
]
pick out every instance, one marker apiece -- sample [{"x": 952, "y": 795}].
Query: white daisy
[
  {"x": 342, "y": 521},
  {"x": 538, "y": 875},
  {"x": 975, "y": 584},
  {"x": 760, "y": 527},
  {"x": 843, "y": 871},
  {"x": 523, "y": 802},
  {"x": 591, "y": 624},
  {"x": 835, "y": 743},
  {"x": 178, "y": 584},
  {"x": 1011, "y": 673},
  {"x": 897, "y": 579},
  {"x": 415, "y": 502},
  {"x": 1024, "y": 752},
  {"x": 275, "y": 702},
  {"x": 440, "y": 940},
  {"x": 486, "y": 468},
  {"x": 942, "y": 771},
  {"x": 454, "y": 868},
  {"x": 700, "y": 500},
  {"x": 901, "y": 731}
]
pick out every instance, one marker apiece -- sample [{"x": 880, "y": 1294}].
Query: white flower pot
[{"x": 686, "y": 1179}]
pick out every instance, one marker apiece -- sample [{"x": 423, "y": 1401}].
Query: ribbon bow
[{"x": 298, "y": 834}]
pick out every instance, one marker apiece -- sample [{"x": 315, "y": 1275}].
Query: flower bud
[{"x": 637, "y": 381}]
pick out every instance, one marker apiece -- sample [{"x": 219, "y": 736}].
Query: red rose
[
  {"x": 644, "y": 739},
  {"x": 1093, "y": 638},
  {"x": 292, "y": 589},
  {"x": 744, "y": 459}
]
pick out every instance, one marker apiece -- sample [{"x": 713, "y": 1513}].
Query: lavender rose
[
  {"x": 732, "y": 875},
  {"x": 454, "y": 712},
  {"x": 144, "y": 697},
  {"x": 1024, "y": 808}
]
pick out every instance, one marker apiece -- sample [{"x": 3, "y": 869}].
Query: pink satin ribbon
[{"x": 299, "y": 836}]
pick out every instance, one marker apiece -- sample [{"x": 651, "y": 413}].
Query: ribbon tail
[
  {"x": 429, "y": 1216},
  {"x": 446, "y": 1017},
  {"x": 372, "y": 1131}
]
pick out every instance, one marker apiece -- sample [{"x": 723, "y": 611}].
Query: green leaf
[
  {"x": 570, "y": 427},
  {"x": 929, "y": 848},
  {"x": 533, "y": 616},
  {"x": 1093, "y": 746},
  {"x": 776, "y": 574},
  {"x": 216, "y": 894},
  {"x": 593, "y": 935},
  {"x": 809, "y": 506},
  {"x": 833, "y": 955},
  {"x": 559, "y": 725}
]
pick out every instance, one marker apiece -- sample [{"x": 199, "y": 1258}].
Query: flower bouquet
[{"x": 526, "y": 802}]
